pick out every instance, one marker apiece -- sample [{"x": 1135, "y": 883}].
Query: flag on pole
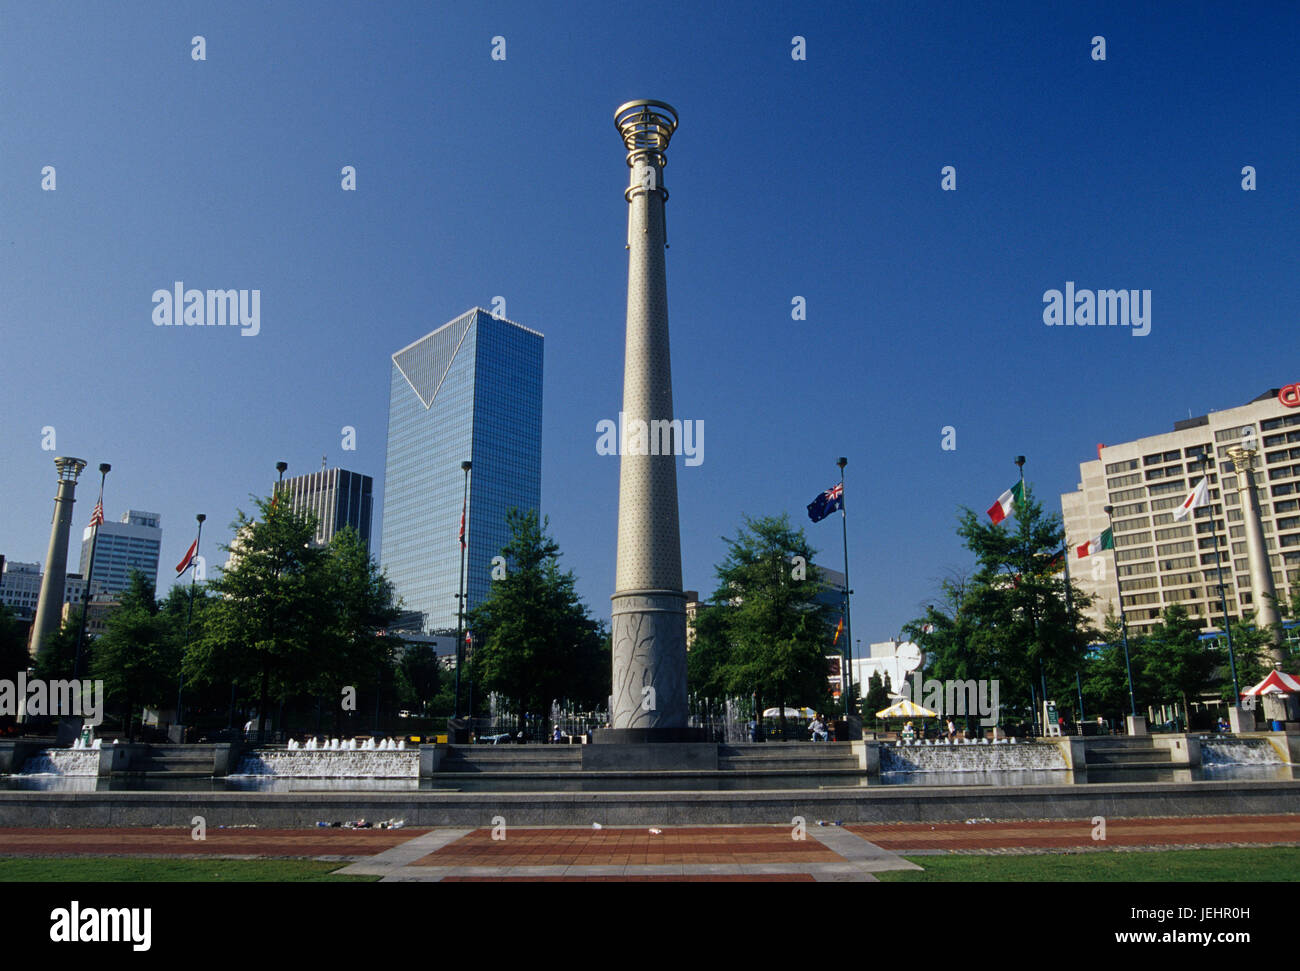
[
  {"x": 825, "y": 504},
  {"x": 1106, "y": 541},
  {"x": 1001, "y": 509},
  {"x": 462, "y": 526},
  {"x": 1200, "y": 496},
  {"x": 189, "y": 556},
  {"x": 97, "y": 517},
  {"x": 839, "y": 629}
]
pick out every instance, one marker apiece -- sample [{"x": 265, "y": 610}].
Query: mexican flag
[
  {"x": 1002, "y": 508},
  {"x": 1105, "y": 541}
]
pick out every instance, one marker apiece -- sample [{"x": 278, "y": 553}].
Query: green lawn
[
  {"x": 130, "y": 870},
  {"x": 1226, "y": 865}
]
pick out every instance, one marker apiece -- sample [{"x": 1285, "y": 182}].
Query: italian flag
[
  {"x": 1001, "y": 509},
  {"x": 1105, "y": 541}
]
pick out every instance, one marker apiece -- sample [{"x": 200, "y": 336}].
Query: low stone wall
[
  {"x": 17, "y": 751},
  {"x": 850, "y": 805}
]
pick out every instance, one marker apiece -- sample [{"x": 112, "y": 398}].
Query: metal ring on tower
[{"x": 646, "y": 127}]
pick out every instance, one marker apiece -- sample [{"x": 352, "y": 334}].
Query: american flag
[{"x": 97, "y": 517}]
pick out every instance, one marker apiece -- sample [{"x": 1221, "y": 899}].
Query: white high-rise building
[
  {"x": 1162, "y": 561},
  {"x": 135, "y": 543}
]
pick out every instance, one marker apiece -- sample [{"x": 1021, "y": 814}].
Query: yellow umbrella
[{"x": 906, "y": 709}]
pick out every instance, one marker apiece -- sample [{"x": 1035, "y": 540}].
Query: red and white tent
[{"x": 1276, "y": 683}]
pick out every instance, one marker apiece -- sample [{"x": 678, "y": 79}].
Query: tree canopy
[
  {"x": 535, "y": 642},
  {"x": 766, "y": 634}
]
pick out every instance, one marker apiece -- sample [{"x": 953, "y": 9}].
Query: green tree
[
  {"x": 57, "y": 657},
  {"x": 272, "y": 606},
  {"x": 767, "y": 634},
  {"x": 360, "y": 603},
  {"x": 1013, "y": 619},
  {"x": 13, "y": 644},
  {"x": 1105, "y": 681},
  {"x": 877, "y": 696},
  {"x": 138, "y": 654},
  {"x": 291, "y": 618},
  {"x": 535, "y": 642},
  {"x": 1177, "y": 664},
  {"x": 706, "y": 661},
  {"x": 420, "y": 674}
]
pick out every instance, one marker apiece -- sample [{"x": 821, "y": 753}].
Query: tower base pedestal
[
  {"x": 651, "y": 757},
  {"x": 646, "y": 736},
  {"x": 649, "y": 684}
]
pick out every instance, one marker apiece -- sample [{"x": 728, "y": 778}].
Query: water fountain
[
  {"x": 334, "y": 758},
  {"x": 969, "y": 755},
  {"x": 1227, "y": 750}
]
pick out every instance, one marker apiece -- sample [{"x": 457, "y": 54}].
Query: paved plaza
[{"x": 694, "y": 853}]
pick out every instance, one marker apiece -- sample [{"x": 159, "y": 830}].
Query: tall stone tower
[
  {"x": 648, "y": 701},
  {"x": 1262, "y": 590},
  {"x": 49, "y": 606}
]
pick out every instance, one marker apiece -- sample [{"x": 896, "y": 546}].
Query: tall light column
[
  {"x": 648, "y": 700},
  {"x": 49, "y": 608},
  {"x": 1262, "y": 591}
]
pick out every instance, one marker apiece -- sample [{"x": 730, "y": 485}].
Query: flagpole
[
  {"x": 846, "y": 655},
  {"x": 1223, "y": 595},
  {"x": 189, "y": 616},
  {"x": 1123, "y": 621},
  {"x": 1042, "y": 678},
  {"x": 460, "y": 597},
  {"x": 104, "y": 469},
  {"x": 1069, "y": 613}
]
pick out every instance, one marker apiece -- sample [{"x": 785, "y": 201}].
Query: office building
[
  {"x": 134, "y": 543},
  {"x": 1162, "y": 561},
  {"x": 469, "y": 391},
  {"x": 20, "y": 588},
  {"x": 337, "y": 498}
]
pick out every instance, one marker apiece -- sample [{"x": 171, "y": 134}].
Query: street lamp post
[
  {"x": 104, "y": 469},
  {"x": 460, "y": 597},
  {"x": 280, "y": 468},
  {"x": 1123, "y": 620}
]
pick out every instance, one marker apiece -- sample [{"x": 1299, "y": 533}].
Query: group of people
[{"x": 909, "y": 731}]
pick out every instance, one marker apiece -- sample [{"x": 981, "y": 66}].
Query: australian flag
[{"x": 825, "y": 504}]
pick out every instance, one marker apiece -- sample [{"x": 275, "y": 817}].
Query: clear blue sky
[{"x": 478, "y": 178}]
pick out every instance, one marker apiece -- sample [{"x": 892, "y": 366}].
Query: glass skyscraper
[{"x": 471, "y": 390}]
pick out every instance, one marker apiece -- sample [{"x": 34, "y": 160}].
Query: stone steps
[{"x": 512, "y": 758}]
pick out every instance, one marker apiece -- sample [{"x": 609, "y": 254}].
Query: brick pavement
[
  {"x": 722, "y": 853},
  {"x": 1065, "y": 834},
  {"x": 313, "y": 843}
]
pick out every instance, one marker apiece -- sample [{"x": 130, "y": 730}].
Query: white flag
[{"x": 1200, "y": 496}]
